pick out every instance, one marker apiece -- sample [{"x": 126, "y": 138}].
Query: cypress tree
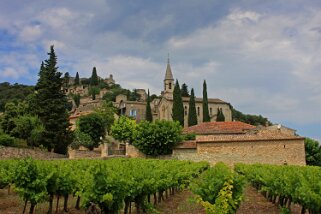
[
  {"x": 206, "y": 114},
  {"x": 220, "y": 116},
  {"x": 184, "y": 90},
  {"x": 178, "y": 108},
  {"x": 192, "y": 117},
  {"x": 77, "y": 82},
  {"x": 149, "y": 116},
  {"x": 94, "y": 77},
  {"x": 52, "y": 106}
]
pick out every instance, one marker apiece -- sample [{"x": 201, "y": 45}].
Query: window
[
  {"x": 185, "y": 110},
  {"x": 132, "y": 113},
  {"x": 210, "y": 111},
  {"x": 170, "y": 85},
  {"x": 198, "y": 111}
]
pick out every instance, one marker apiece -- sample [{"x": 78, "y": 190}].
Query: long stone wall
[
  {"x": 277, "y": 152},
  {"x": 12, "y": 152}
]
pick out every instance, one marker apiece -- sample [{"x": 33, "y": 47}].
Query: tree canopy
[
  {"x": 206, "y": 114},
  {"x": 149, "y": 116},
  {"x": 220, "y": 116},
  {"x": 178, "y": 108},
  {"x": 184, "y": 90},
  {"x": 192, "y": 117},
  {"x": 312, "y": 152},
  {"x": 123, "y": 129},
  {"x": 157, "y": 138},
  {"x": 94, "y": 77},
  {"x": 52, "y": 103}
]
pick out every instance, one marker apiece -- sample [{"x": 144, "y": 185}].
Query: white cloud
[{"x": 30, "y": 33}]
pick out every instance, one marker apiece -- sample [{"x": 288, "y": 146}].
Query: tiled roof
[
  {"x": 260, "y": 135},
  {"x": 208, "y": 128}
]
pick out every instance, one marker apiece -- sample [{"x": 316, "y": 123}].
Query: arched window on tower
[
  {"x": 170, "y": 86},
  {"x": 198, "y": 111},
  {"x": 185, "y": 110}
]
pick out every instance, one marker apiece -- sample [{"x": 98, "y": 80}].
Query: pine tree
[
  {"x": 149, "y": 116},
  {"x": 52, "y": 104},
  {"x": 206, "y": 114},
  {"x": 192, "y": 117},
  {"x": 77, "y": 81},
  {"x": 94, "y": 77},
  {"x": 184, "y": 90},
  {"x": 66, "y": 79},
  {"x": 178, "y": 108},
  {"x": 220, "y": 116}
]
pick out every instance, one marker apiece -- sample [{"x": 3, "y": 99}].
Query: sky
[{"x": 263, "y": 57}]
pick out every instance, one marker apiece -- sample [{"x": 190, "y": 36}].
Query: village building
[{"x": 162, "y": 107}]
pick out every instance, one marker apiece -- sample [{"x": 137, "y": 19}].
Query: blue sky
[{"x": 263, "y": 57}]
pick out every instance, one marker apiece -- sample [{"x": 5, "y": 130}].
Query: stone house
[{"x": 237, "y": 142}]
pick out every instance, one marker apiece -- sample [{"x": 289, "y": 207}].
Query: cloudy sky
[{"x": 264, "y": 57}]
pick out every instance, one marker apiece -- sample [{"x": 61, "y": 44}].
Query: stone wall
[
  {"x": 268, "y": 151},
  {"x": 11, "y": 152},
  {"x": 84, "y": 154}
]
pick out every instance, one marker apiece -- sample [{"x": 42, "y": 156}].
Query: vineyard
[
  {"x": 285, "y": 185},
  {"x": 137, "y": 185}
]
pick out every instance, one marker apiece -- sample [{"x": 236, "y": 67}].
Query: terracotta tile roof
[
  {"x": 259, "y": 135},
  {"x": 208, "y": 128}
]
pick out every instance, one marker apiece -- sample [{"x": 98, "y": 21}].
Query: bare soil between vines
[{"x": 180, "y": 203}]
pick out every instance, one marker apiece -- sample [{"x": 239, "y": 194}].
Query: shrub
[{"x": 6, "y": 140}]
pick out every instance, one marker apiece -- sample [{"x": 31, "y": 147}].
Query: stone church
[{"x": 162, "y": 106}]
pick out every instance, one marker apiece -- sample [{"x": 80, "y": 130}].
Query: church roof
[
  {"x": 207, "y": 128},
  {"x": 168, "y": 75}
]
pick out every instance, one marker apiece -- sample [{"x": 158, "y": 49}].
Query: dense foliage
[
  {"x": 220, "y": 189},
  {"x": 287, "y": 184},
  {"x": 184, "y": 90},
  {"x": 254, "y": 120},
  {"x": 107, "y": 112},
  {"x": 157, "y": 138},
  {"x": 13, "y": 93},
  {"x": 312, "y": 152},
  {"x": 220, "y": 116},
  {"x": 52, "y": 103},
  {"x": 192, "y": 117},
  {"x": 94, "y": 77},
  {"x": 77, "y": 81},
  {"x": 109, "y": 184},
  {"x": 123, "y": 129},
  {"x": 94, "y": 126},
  {"x": 206, "y": 114},
  {"x": 178, "y": 108}
]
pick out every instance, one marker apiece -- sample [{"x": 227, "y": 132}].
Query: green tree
[
  {"x": 178, "y": 108},
  {"x": 184, "y": 90},
  {"x": 312, "y": 152},
  {"x": 94, "y": 77},
  {"x": 206, "y": 114},
  {"x": 158, "y": 138},
  {"x": 93, "y": 125},
  {"x": 220, "y": 116},
  {"x": 26, "y": 127},
  {"x": 107, "y": 112},
  {"x": 52, "y": 103},
  {"x": 192, "y": 117},
  {"x": 76, "y": 98},
  {"x": 82, "y": 139},
  {"x": 66, "y": 79},
  {"x": 123, "y": 129},
  {"x": 149, "y": 116},
  {"x": 93, "y": 91},
  {"x": 77, "y": 81}
]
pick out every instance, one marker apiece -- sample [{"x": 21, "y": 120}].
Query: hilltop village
[
  {"x": 136, "y": 108},
  {"x": 228, "y": 141}
]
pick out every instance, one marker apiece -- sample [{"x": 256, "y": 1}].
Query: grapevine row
[
  {"x": 287, "y": 184},
  {"x": 108, "y": 184}
]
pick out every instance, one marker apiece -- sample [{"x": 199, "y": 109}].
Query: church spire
[{"x": 168, "y": 75}]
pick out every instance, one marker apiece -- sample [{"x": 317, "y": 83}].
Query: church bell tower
[{"x": 168, "y": 81}]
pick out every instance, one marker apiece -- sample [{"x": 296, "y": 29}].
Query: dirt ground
[{"x": 181, "y": 203}]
